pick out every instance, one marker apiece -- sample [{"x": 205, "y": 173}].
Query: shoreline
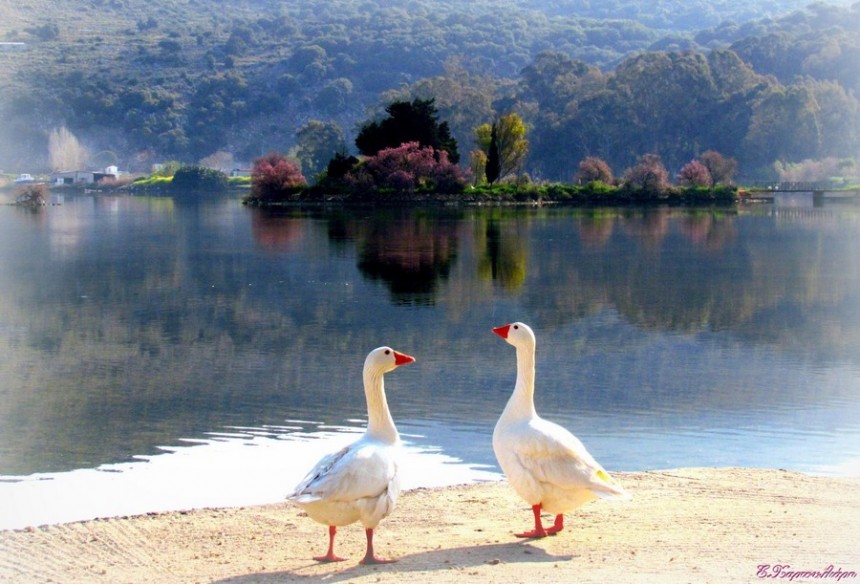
[{"x": 690, "y": 525}]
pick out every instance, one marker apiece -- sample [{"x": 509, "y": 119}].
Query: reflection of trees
[
  {"x": 645, "y": 269},
  {"x": 505, "y": 254},
  {"x": 648, "y": 226},
  {"x": 596, "y": 228},
  {"x": 276, "y": 231},
  {"x": 106, "y": 357},
  {"x": 708, "y": 230},
  {"x": 411, "y": 254},
  {"x": 784, "y": 287},
  {"x": 704, "y": 229},
  {"x": 110, "y": 357}
]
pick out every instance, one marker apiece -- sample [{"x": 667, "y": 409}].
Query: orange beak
[
  {"x": 402, "y": 359},
  {"x": 502, "y": 331}
]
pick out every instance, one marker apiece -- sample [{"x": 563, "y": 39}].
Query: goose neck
[
  {"x": 380, "y": 424},
  {"x": 522, "y": 400}
]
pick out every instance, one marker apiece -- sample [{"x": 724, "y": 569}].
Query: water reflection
[
  {"x": 411, "y": 252},
  {"x": 130, "y": 324},
  {"x": 277, "y": 231},
  {"x": 505, "y": 253}
]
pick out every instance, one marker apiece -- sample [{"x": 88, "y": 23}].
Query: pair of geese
[{"x": 546, "y": 465}]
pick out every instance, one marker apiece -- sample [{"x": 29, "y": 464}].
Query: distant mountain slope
[{"x": 155, "y": 79}]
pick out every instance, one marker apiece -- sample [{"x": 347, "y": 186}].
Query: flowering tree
[
  {"x": 410, "y": 167},
  {"x": 722, "y": 169},
  {"x": 593, "y": 169},
  {"x": 695, "y": 174},
  {"x": 274, "y": 175},
  {"x": 648, "y": 174}
]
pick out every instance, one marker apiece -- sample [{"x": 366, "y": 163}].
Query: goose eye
[
  {"x": 516, "y": 327},
  {"x": 387, "y": 352}
]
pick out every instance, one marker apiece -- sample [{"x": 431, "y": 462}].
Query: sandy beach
[{"x": 684, "y": 525}]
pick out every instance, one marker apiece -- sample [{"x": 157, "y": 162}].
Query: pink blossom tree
[
  {"x": 648, "y": 174},
  {"x": 721, "y": 168},
  {"x": 273, "y": 176},
  {"x": 593, "y": 169},
  {"x": 410, "y": 167},
  {"x": 695, "y": 174}
]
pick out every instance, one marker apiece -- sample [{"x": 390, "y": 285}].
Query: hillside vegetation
[{"x": 143, "y": 81}]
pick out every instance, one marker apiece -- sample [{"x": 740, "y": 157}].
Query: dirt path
[{"x": 688, "y": 525}]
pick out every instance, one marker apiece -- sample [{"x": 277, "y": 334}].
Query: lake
[{"x": 158, "y": 354}]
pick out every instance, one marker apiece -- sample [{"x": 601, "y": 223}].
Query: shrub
[
  {"x": 340, "y": 166},
  {"x": 199, "y": 178},
  {"x": 32, "y": 195}
]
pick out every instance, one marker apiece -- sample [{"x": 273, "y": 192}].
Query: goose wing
[
  {"x": 363, "y": 469},
  {"x": 554, "y": 455}
]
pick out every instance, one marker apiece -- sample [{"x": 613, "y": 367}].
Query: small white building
[{"x": 83, "y": 177}]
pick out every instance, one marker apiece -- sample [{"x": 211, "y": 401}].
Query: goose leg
[
  {"x": 538, "y": 531},
  {"x": 369, "y": 556},
  {"x": 330, "y": 557},
  {"x": 557, "y": 526}
]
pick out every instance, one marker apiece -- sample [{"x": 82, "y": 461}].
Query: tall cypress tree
[{"x": 494, "y": 162}]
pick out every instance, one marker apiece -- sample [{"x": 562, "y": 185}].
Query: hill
[{"x": 142, "y": 81}]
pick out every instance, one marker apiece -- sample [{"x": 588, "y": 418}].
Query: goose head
[
  {"x": 517, "y": 334},
  {"x": 385, "y": 359}
]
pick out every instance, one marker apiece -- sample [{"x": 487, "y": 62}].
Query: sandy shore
[{"x": 686, "y": 525}]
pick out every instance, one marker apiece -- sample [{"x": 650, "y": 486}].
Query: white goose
[
  {"x": 546, "y": 465},
  {"x": 359, "y": 482}
]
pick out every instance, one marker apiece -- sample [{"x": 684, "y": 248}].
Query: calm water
[{"x": 157, "y": 354}]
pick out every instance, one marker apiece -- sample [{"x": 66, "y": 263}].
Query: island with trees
[{"x": 409, "y": 155}]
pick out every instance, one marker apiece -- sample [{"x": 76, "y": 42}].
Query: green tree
[
  {"x": 478, "y": 165},
  {"x": 199, "y": 178},
  {"x": 785, "y": 125},
  {"x": 510, "y": 139},
  {"x": 415, "y": 121},
  {"x": 463, "y": 98},
  {"x": 317, "y": 142}
]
